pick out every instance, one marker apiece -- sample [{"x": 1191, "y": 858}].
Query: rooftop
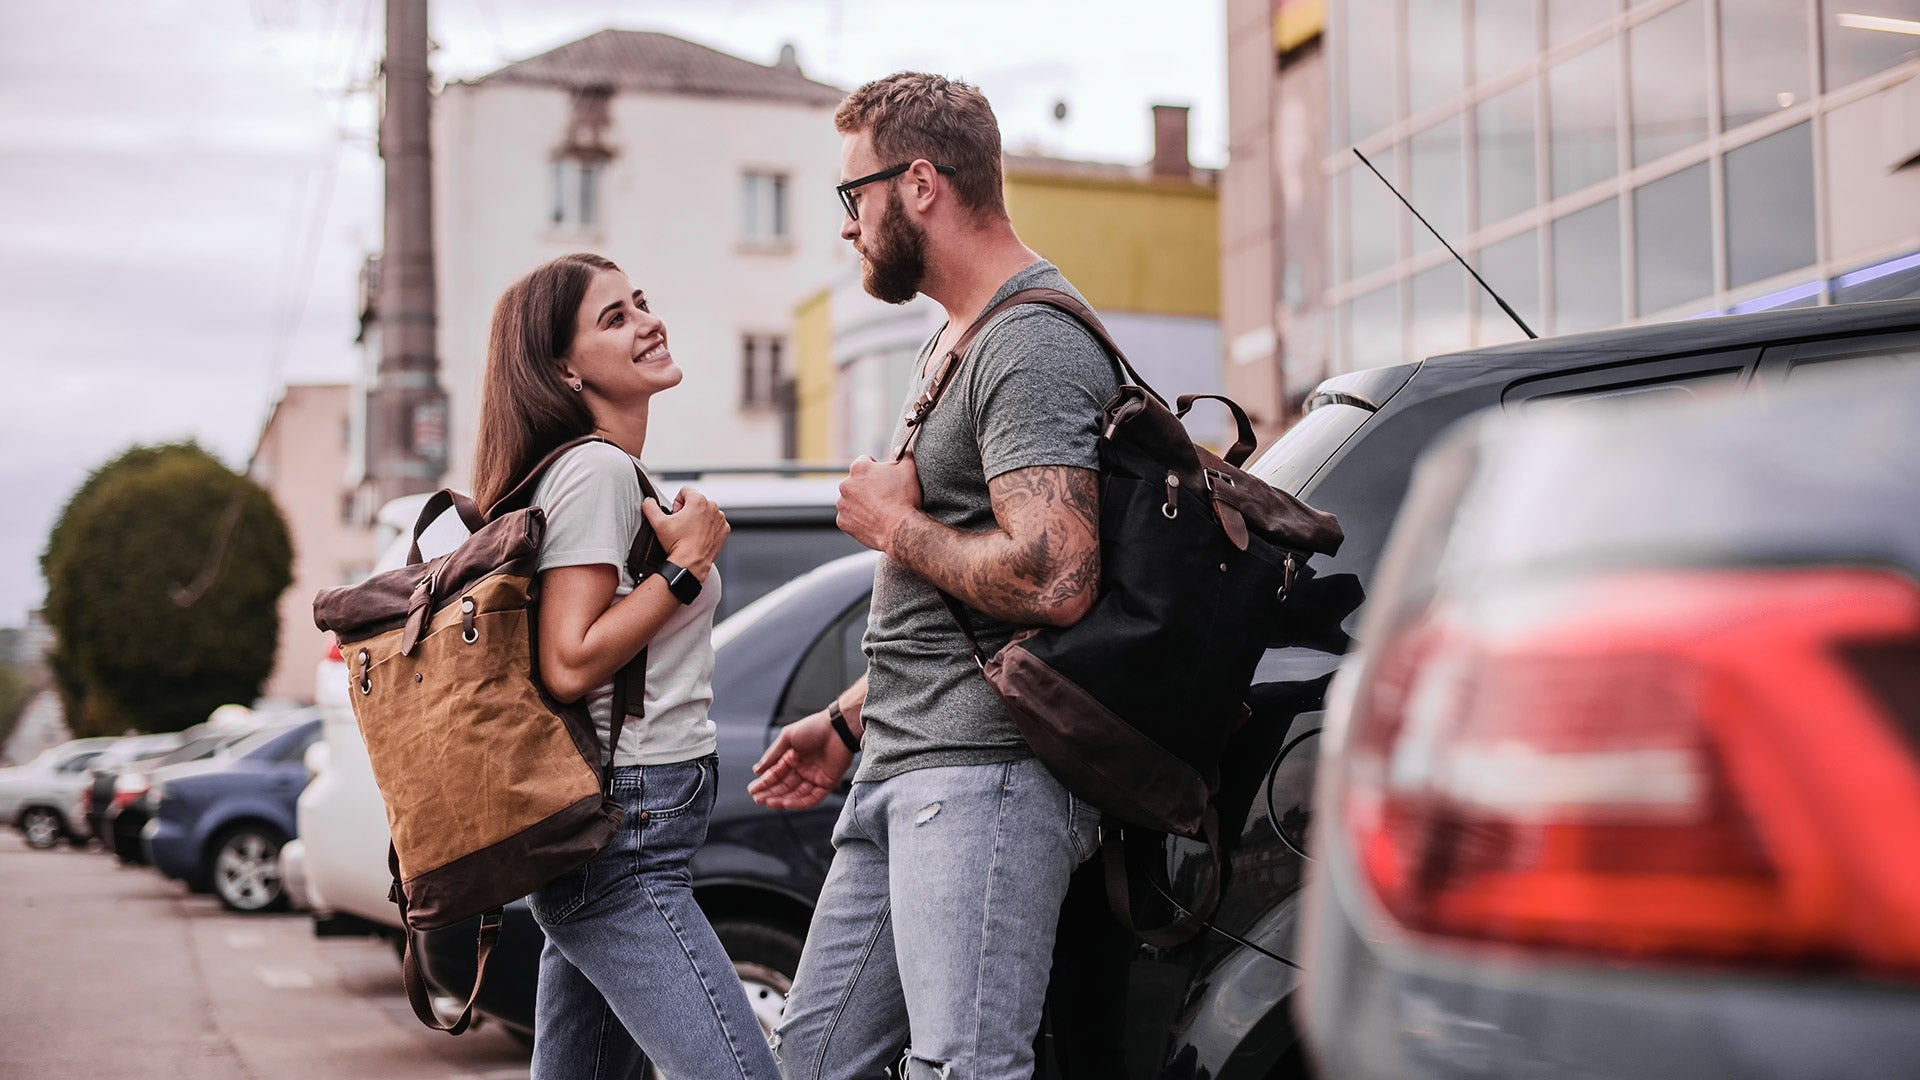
[{"x": 639, "y": 61}]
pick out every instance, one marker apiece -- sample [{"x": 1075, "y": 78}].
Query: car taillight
[
  {"x": 333, "y": 650},
  {"x": 128, "y": 788},
  {"x": 1660, "y": 765}
]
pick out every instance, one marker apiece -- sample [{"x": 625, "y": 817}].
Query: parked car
[
  {"x": 104, "y": 770},
  {"x": 219, "y": 824},
  {"x": 42, "y": 797},
  {"x": 782, "y": 527},
  {"x": 1352, "y": 454},
  {"x": 129, "y": 808},
  {"x": 782, "y": 657},
  {"x": 1621, "y": 778}
]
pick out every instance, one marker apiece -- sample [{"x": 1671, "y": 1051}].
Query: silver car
[{"x": 42, "y": 797}]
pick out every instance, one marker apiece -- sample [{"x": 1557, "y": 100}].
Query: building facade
[
  {"x": 1600, "y": 162},
  {"x": 1140, "y": 242},
  {"x": 303, "y": 459},
  {"x": 706, "y": 177}
]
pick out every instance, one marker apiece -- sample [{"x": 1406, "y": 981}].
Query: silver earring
[{"x": 577, "y": 387}]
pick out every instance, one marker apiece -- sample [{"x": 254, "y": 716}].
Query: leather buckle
[{"x": 490, "y": 923}]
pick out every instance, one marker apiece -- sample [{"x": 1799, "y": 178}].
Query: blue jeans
[
  {"x": 935, "y": 927},
  {"x": 631, "y": 961}
]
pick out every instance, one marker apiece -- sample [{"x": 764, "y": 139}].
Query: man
[{"x": 935, "y": 928}]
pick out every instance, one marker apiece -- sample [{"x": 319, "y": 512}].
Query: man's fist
[{"x": 876, "y": 497}]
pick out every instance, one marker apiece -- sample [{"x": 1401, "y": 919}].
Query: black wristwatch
[{"x": 680, "y": 581}]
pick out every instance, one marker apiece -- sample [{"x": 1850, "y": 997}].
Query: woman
[{"x": 630, "y": 963}]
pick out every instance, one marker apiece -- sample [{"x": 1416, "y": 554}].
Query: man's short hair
[{"x": 913, "y": 115}]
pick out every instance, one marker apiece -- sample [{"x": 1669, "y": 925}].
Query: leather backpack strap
[
  {"x": 1122, "y": 852},
  {"x": 630, "y": 682},
  {"x": 437, "y": 504},
  {"x": 418, "y": 995},
  {"x": 521, "y": 493},
  {"x": 950, "y": 363}
]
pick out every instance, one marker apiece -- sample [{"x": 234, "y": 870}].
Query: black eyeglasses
[{"x": 846, "y": 189}]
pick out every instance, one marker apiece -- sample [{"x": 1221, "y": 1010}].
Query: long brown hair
[{"x": 526, "y": 408}]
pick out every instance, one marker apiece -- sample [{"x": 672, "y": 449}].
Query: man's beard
[{"x": 895, "y": 255}]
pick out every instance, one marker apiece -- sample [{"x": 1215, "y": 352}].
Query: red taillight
[
  {"x": 333, "y": 650},
  {"x": 1659, "y": 765}
]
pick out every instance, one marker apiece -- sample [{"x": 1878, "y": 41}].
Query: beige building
[
  {"x": 707, "y": 178},
  {"x": 1600, "y": 162},
  {"x": 302, "y": 460}
]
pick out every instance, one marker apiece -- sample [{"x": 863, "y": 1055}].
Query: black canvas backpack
[{"x": 1132, "y": 706}]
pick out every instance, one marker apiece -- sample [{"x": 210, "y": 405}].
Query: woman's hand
[{"x": 693, "y": 534}]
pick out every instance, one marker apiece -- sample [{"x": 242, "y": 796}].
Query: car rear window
[{"x": 1309, "y": 444}]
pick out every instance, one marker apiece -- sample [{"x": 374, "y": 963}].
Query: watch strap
[
  {"x": 839, "y": 721},
  {"x": 680, "y": 581}
]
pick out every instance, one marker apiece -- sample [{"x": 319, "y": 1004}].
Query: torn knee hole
[{"x": 919, "y": 1068}]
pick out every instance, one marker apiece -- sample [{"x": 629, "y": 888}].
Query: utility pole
[{"x": 406, "y": 408}]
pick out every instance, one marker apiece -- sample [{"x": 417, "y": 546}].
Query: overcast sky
[{"x": 187, "y": 187}]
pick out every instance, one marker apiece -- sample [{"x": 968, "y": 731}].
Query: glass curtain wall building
[{"x": 1608, "y": 161}]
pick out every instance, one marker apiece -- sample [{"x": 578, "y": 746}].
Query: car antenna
[{"x": 1504, "y": 306}]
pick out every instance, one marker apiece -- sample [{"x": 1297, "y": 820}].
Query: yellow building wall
[
  {"x": 1151, "y": 247},
  {"x": 813, "y": 375}
]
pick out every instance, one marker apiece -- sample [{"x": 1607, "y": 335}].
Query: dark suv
[{"x": 1352, "y": 454}]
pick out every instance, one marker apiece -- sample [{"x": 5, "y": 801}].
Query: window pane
[
  {"x": 1506, "y": 154},
  {"x": 559, "y": 192},
  {"x": 1374, "y": 216},
  {"x": 779, "y": 195},
  {"x": 1764, "y": 58},
  {"x": 1770, "y": 206},
  {"x": 1370, "y": 67},
  {"x": 1438, "y": 66},
  {"x": 1667, "y": 54},
  {"x": 1512, "y": 267},
  {"x": 1503, "y": 36},
  {"x": 589, "y": 194},
  {"x": 1580, "y": 100},
  {"x": 1441, "y": 323},
  {"x": 1567, "y": 18},
  {"x": 1857, "y": 51},
  {"x": 750, "y": 205},
  {"x": 1673, "y": 240},
  {"x": 1586, "y": 269},
  {"x": 1439, "y": 183},
  {"x": 1376, "y": 328}
]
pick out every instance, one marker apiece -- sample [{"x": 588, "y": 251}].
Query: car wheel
[
  {"x": 245, "y": 870},
  {"x": 765, "y": 956},
  {"x": 43, "y": 827}
]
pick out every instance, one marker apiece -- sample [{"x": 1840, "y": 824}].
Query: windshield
[
  {"x": 201, "y": 747},
  {"x": 1307, "y": 445},
  {"x": 254, "y": 740}
]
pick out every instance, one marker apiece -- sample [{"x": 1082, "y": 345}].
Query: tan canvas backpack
[{"x": 492, "y": 787}]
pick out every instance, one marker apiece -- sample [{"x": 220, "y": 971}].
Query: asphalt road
[{"x": 109, "y": 971}]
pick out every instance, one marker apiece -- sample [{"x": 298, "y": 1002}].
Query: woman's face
[{"x": 619, "y": 348}]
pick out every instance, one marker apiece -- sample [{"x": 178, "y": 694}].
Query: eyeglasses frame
[{"x": 846, "y": 190}]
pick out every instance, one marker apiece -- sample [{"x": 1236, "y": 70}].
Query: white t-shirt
[{"x": 592, "y": 501}]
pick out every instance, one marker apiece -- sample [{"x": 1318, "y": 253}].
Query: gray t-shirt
[
  {"x": 592, "y": 500},
  {"x": 1030, "y": 394}
]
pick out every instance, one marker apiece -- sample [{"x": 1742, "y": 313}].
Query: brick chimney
[{"x": 1170, "y": 142}]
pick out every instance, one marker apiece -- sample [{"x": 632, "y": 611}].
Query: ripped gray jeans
[{"x": 935, "y": 927}]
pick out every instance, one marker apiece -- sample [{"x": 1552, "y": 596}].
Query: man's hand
[
  {"x": 802, "y": 766},
  {"x": 876, "y": 497}
]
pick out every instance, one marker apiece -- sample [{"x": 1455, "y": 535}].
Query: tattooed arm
[{"x": 1041, "y": 567}]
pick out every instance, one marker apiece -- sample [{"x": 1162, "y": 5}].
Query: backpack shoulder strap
[
  {"x": 643, "y": 558},
  {"x": 951, "y": 362}
]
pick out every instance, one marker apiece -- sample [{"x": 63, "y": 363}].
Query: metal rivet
[
  {"x": 417, "y": 677},
  {"x": 1223, "y": 568}
]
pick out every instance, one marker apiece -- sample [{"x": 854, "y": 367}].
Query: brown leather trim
[
  {"x": 1098, "y": 756},
  {"x": 503, "y": 872},
  {"x": 510, "y": 544}
]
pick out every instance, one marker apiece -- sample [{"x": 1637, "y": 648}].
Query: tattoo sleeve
[{"x": 1040, "y": 567}]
